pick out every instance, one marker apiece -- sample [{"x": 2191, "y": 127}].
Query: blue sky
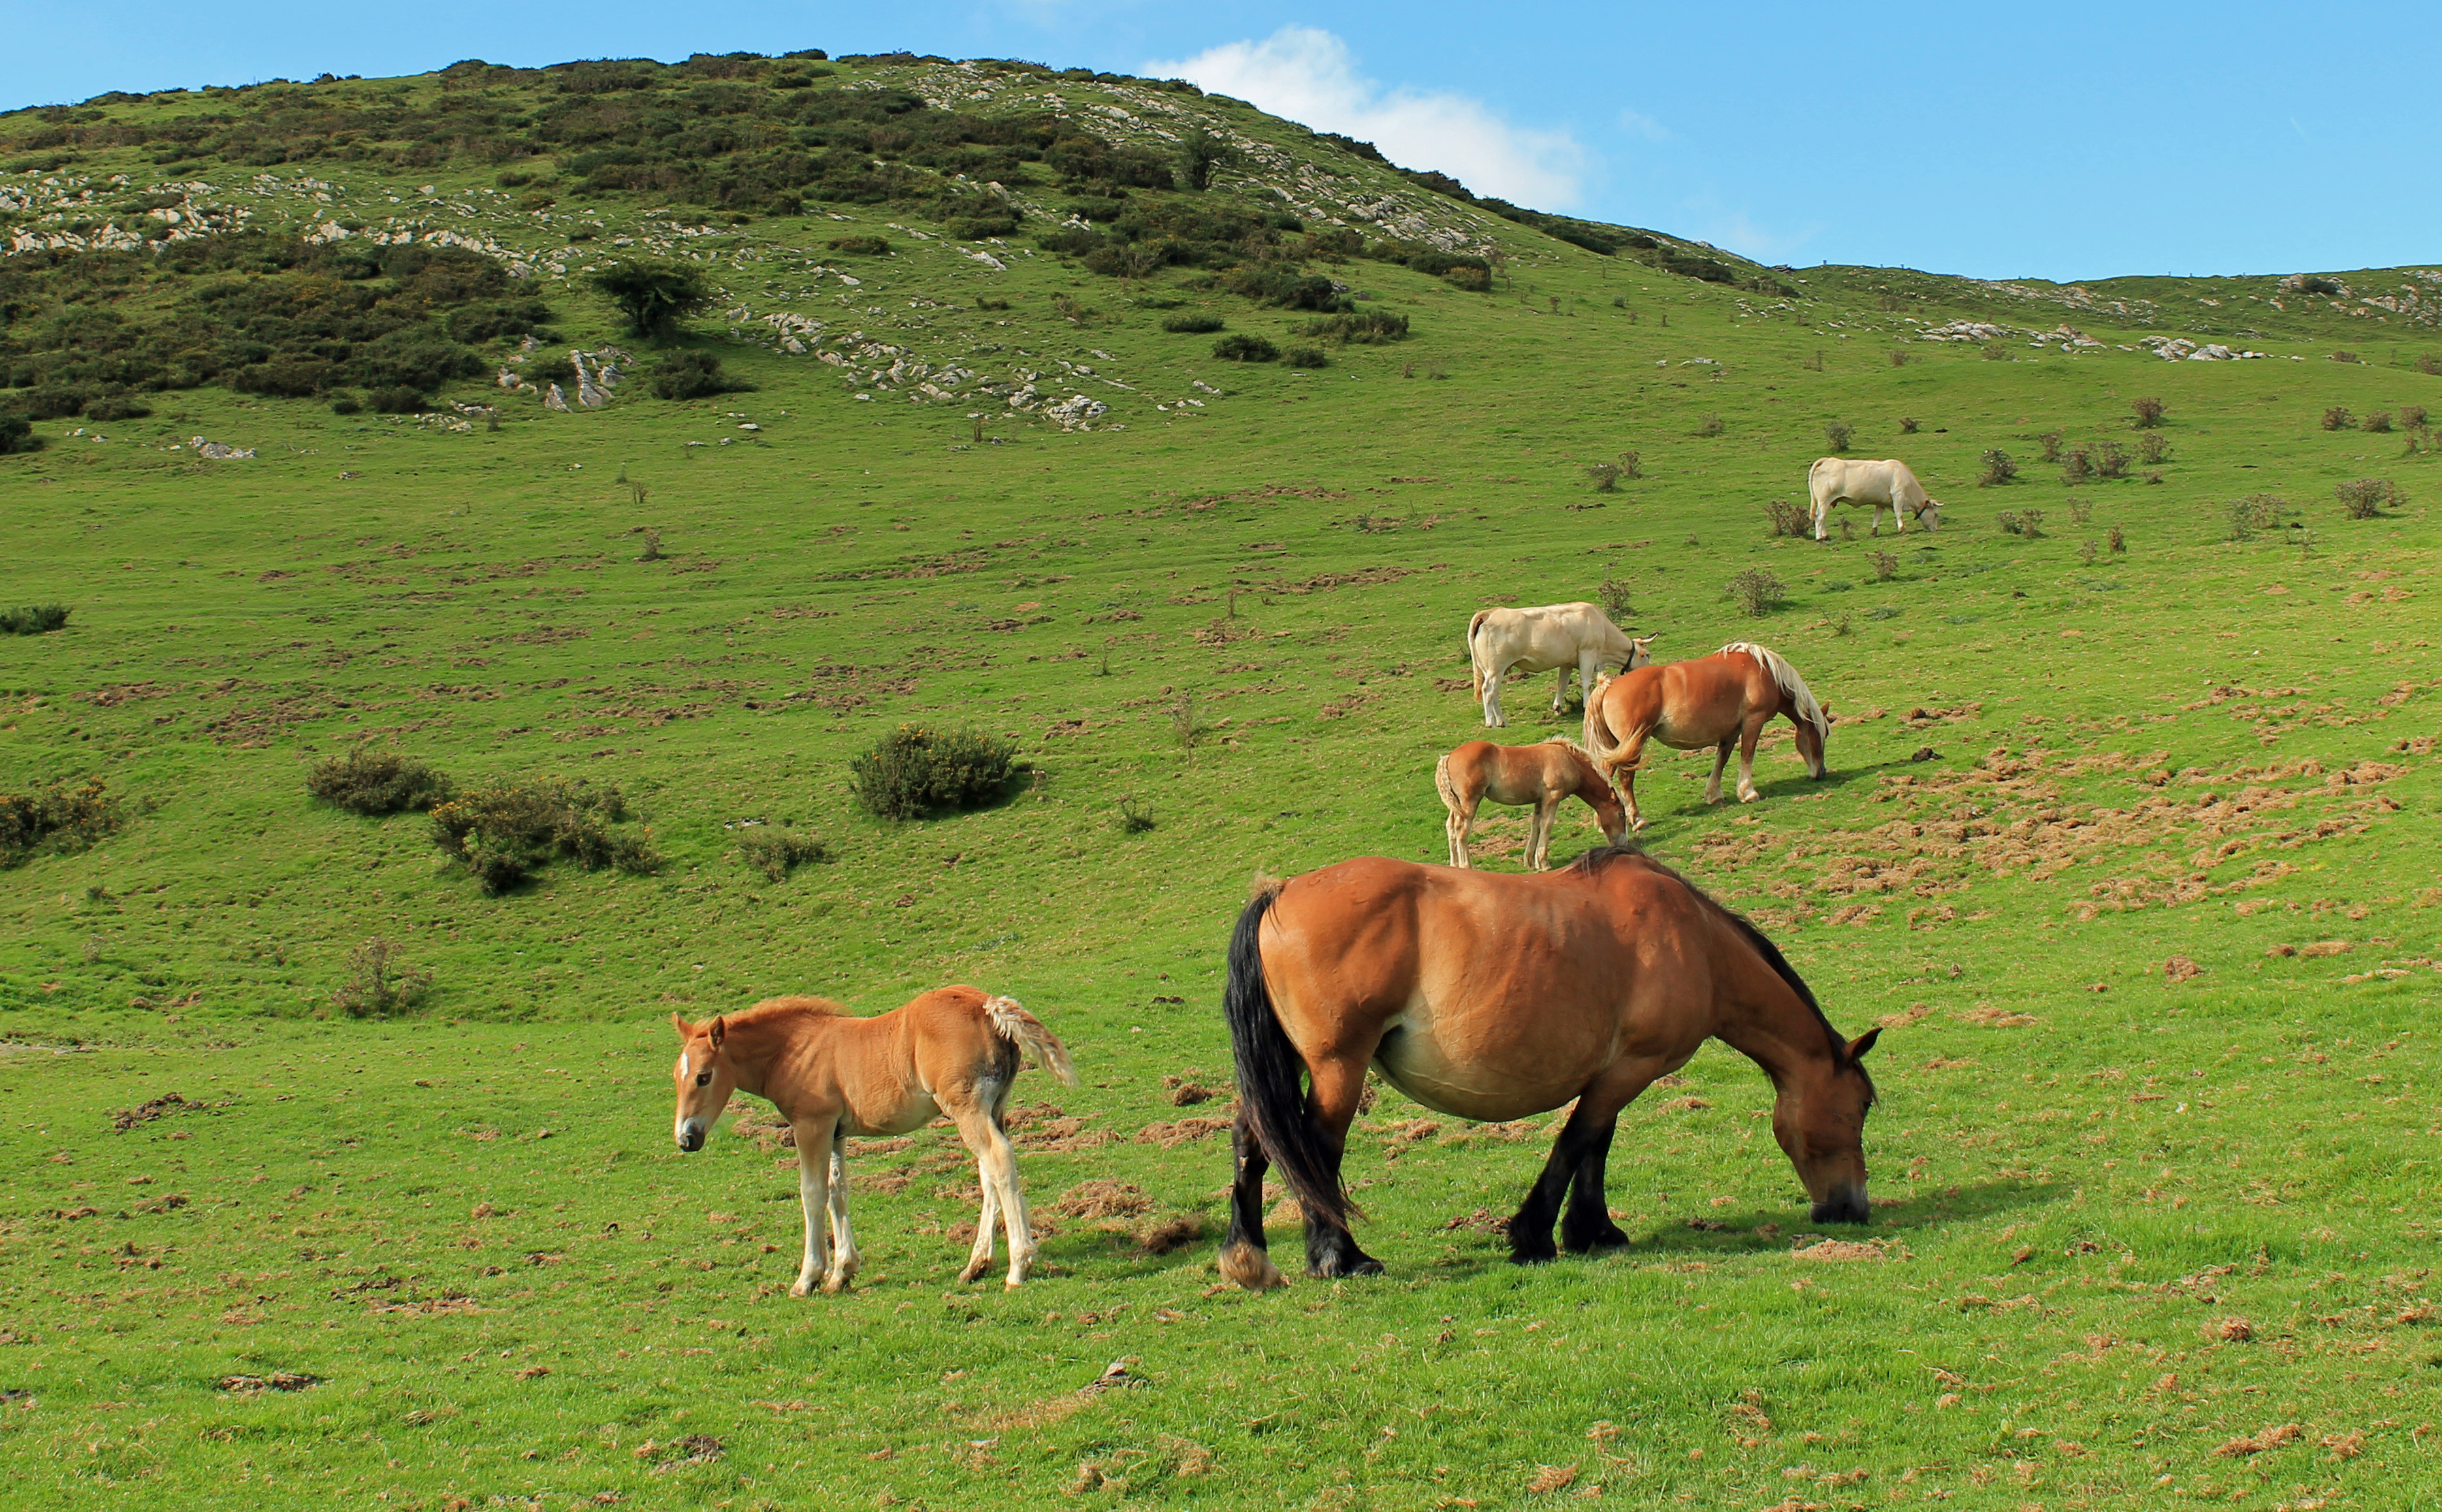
[{"x": 2074, "y": 140}]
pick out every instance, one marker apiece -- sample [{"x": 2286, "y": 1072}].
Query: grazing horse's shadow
[{"x": 1738, "y": 1236}]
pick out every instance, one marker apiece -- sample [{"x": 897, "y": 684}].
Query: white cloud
[
  {"x": 1309, "y": 76},
  {"x": 1637, "y": 123}
]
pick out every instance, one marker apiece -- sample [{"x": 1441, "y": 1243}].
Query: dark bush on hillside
[
  {"x": 2338, "y": 418},
  {"x": 2366, "y": 498},
  {"x": 1697, "y": 267},
  {"x": 2411, "y": 417},
  {"x": 2110, "y": 460},
  {"x": 2152, "y": 447},
  {"x": 1243, "y": 347},
  {"x": 2431, "y": 364},
  {"x": 1782, "y": 518},
  {"x": 1288, "y": 288},
  {"x": 2077, "y": 465},
  {"x": 1998, "y": 470},
  {"x": 2149, "y": 412},
  {"x": 2028, "y": 522},
  {"x": 692, "y": 374},
  {"x": 774, "y": 853},
  {"x": 1365, "y": 328},
  {"x": 252, "y": 311},
  {"x": 33, "y": 619},
  {"x": 376, "y": 783},
  {"x": 398, "y": 401},
  {"x": 508, "y": 832},
  {"x": 116, "y": 407},
  {"x": 2257, "y": 512},
  {"x": 1838, "y": 435},
  {"x": 1192, "y": 324},
  {"x": 58, "y": 820},
  {"x": 1305, "y": 357},
  {"x": 980, "y": 227},
  {"x": 1473, "y": 279},
  {"x": 379, "y": 982},
  {"x": 2050, "y": 444},
  {"x": 1202, "y": 155},
  {"x": 2378, "y": 420},
  {"x": 918, "y": 770},
  {"x": 2313, "y": 284},
  {"x": 860, "y": 245},
  {"x": 654, "y": 298},
  {"x": 17, "y": 434}
]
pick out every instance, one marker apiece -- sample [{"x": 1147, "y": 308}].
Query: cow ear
[
  {"x": 721, "y": 1031},
  {"x": 679, "y": 1023},
  {"x": 1858, "y": 1047}
]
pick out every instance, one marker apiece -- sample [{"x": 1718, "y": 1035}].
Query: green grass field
[{"x": 2152, "y": 925}]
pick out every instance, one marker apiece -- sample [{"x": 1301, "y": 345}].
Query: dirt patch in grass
[{"x": 1102, "y": 1199}]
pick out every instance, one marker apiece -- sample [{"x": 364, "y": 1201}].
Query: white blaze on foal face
[{"x": 702, "y": 1083}]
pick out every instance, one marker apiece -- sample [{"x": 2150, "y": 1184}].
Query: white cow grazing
[
  {"x": 1837, "y": 480},
  {"x": 1502, "y": 641}
]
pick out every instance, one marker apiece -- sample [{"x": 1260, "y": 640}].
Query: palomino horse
[
  {"x": 1496, "y": 995},
  {"x": 952, "y": 1050},
  {"x": 1723, "y": 699},
  {"x": 1544, "y": 775}
]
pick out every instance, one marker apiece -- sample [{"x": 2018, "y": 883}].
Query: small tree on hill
[
  {"x": 1200, "y": 156},
  {"x": 653, "y": 297}
]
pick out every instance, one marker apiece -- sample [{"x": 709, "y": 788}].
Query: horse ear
[
  {"x": 721, "y": 1031},
  {"x": 1858, "y": 1047},
  {"x": 679, "y": 1023}
]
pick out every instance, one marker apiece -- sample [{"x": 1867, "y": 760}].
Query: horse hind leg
[
  {"x": 996, "y": 1168},
  {"x": 1753, "y": 733},
  {"x": 1243, "y": 1257},
  {"x": 979, "y": 1257},
  {"x": 1456, "y": 828},
  {"x": 1721, "y": 762},
  {"x": 1330, "y": 1249},
  {"x": 1538, "y": 833}
]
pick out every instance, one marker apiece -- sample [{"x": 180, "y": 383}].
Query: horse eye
[{"x": 704, "y": 1080}]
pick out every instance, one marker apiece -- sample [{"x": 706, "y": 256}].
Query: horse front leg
[
  {"x": 1539, "y": 832},
  {"x": 814, "y": 1139},
  {"x": 1590, "y": 1125},
  {"x": 1338, "y": 1084},
  {"x": 1721, "y": 762},
  {"x": 1747, "y": 740},
  {"x": 1245, "y": 1256},
  {"x": 1622, "y": 769},
  {"x": 846, "y": 1261},
  {"x": 1588, "y": 1227}
]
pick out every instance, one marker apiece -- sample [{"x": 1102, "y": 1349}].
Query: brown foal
[
  {"x": 1496, "y": 995},
  {"x": 1723, "y": 701},
  {"x": 952, "y": 1051},
  {"x": 1545, "y": 774}
]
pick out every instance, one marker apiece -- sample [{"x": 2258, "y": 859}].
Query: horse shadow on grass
[{"x": 1764, "y": 1231}]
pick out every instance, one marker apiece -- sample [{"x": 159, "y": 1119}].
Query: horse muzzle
[
  {"x": 690, "y": 1136},
  {"x": 1846, "y": 1203}
]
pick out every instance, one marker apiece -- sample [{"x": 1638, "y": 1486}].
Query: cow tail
[{"x": 1475, "y": 667}]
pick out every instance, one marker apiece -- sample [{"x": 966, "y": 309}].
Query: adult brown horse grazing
[
  {"x": 1545, "y": 774},
  {"x": 1723, "y": 699},
  {"x": 951, "y": 1050},
  {"x": 1496, "y": 995}
]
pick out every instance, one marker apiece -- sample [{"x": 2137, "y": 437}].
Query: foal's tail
[
  {"x": 1026, "y": 1032},
  {"x": 1271, "y": 1101},
  {"x": 1442, "y": 785}
]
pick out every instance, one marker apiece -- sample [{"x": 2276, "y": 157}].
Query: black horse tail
[{"x": 1271, "y": 1096}]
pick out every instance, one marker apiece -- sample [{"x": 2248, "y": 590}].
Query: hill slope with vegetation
[{"x": 504, "y": 555}]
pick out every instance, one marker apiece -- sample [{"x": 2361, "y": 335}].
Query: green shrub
[
  {"x": 917, "y": 771},
  {"x": 1243, "y": 347},
  {"x": 2029, "y": 522},
  {"x": 860, "y": 245},
  {"x": 2153, "y": 447},
  {"x": 376, "y": 783},
  {"x": 693, "y": 374},
  {"x": 1784, "y": 518},
  {"x": 1605, "y": 476},
  {"x": 653, "y": 297},
  {"x": 1837, "y": 435},
  {"x": 2378, "y": 420},
  {"x": 2364, "y": 497},
  {"x": 1757, "y": 592},
  {"x": 1306, "y": 357},
  {"x": 59, "y": 819},
  {"x": 2149, "y": 412},
  {"x": 1192, "y": 324},
  {"x": 2338, "y": 418},
  {"x": 1365, "y": 328},
  {"x": 2110, "y": 459},
  {"x": 1998, "y": 470},
  {"x": 1709, "y": 425},
  {"x": 2253, "y": 513},
  {"x": 379, "y": 983},
  {"x": 344, "y": 403},
  {"x": 398, "y": 400},
  {"x": 17, "y": 434},
  {"x": 127, "y": 406},
  {"x": 33, "y": 619},
  {"x": 981, "y": 228},
  {"x": 1474, "y": 280},
  {"x": 2077, "y": 465},
  {"x": 1288, "y": 288},
  {"x": 507, "y": 832},
  {"x": 773, "y": 852},
  {"x": 1135, "y": 818}
]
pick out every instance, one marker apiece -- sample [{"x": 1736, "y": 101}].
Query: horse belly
[
  {"x": 1492, "y": 1089},
  {"x": 904, "y": 1118}
]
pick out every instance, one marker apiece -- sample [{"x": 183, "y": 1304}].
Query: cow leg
[
  {"x": 1899, "y": 520},
  {"x": 1492, "y": 698},
  {"x": 1822, "y": 520},
  {"x": 1720, "y": 760},
  {"x": 1561, "y": 690}
]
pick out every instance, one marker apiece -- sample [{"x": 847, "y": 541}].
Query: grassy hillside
[{"x": 2131, "y": 845}]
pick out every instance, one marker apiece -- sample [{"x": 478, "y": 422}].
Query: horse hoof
[
  {"x": 1538, "y": 1254},
  {"x": 1357, "y": 1263},
  {"x": 1607, "y": 1237},
  {"x": 802, "y": 1288}
]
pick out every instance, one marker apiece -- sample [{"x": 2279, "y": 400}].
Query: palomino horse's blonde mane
[{"x": 1800, "y": 696}]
